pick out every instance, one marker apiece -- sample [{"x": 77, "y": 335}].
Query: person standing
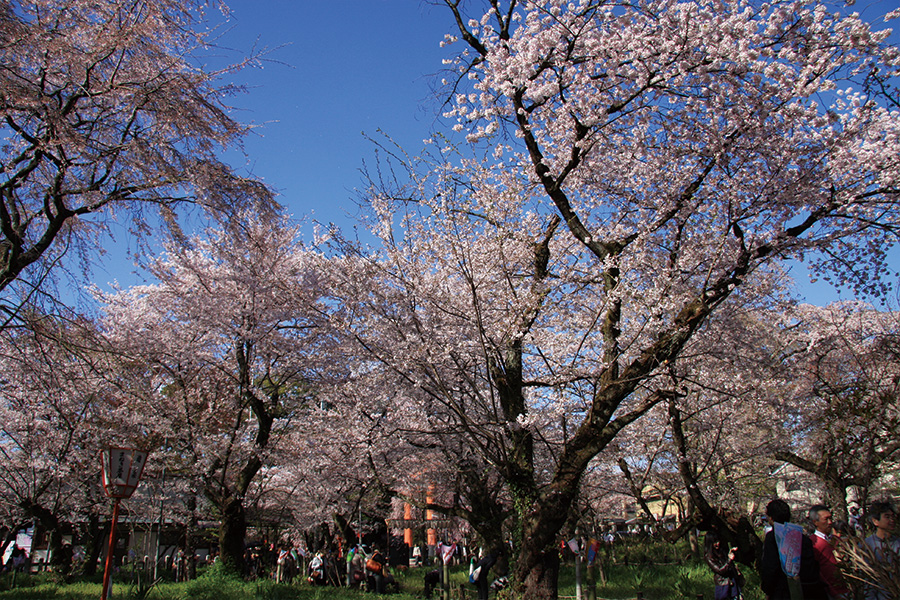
[
  {"x": 180, "y": 565},
  {"x": 483, "y": 578},
  {"x": 823, "y": 551},
  {"x": 376, "y": 566},
  {"x": 726, "y": 576},
  {"x": 284, "y": 565},
  {"x": 317, "y": 569},
  {"x": 773, "y": 580},
  {"x": 883, "y": 544}
]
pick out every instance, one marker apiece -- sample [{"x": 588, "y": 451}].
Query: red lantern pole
[
  {"x": 109, "y": 553},
  {"x": 122, "y": 469}
]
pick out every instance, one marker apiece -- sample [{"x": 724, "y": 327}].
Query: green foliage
[
  {"x": 216, "y": 583},
  {"x": 691, "y": 580},
  {"x": 657, "y": 581},
  {"x": 42, "y": 586},
  {"x": 217, "y": 570},
  {"x": 642, "y": 551},
  {"x": 141, "y": 589},
  {"x": 639, "y": 577},
  {"x": 25, "y": 581}
]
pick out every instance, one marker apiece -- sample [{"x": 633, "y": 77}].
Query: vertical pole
[
  {"x": 591, "y": 578},
  {"x": 407, "y": 530},
  {"x": 387, "y": 542},
  {"x": 578, "y": 576},
  {"x": 430, "y": 532},
  {"x": 110, "y": 550},
  {"x": 159, "y": 531},
  {"x": 349, "y": 561}
]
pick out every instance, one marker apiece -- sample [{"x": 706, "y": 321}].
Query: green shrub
[
  {"x": 658, "y": 582},
  {"x": 214, "y": 584}
]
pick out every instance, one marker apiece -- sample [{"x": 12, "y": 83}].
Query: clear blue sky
[
  {"x": 337, "y": 69},
  {"x": 334, "y": 70}
]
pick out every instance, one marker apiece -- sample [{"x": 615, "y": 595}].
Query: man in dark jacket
[{"x": 773, "y": 580}]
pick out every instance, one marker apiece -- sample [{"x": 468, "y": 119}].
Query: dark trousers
[{"x": 484, "y": 585}]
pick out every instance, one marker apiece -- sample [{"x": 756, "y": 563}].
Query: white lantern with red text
[{"x": 122, "y": 469}]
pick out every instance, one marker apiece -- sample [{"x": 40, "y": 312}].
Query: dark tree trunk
[
  {"x": 537, "y": 571},
  {"x": 232, "y": 530},
  {"x": 229, "y": 499},
  {"x": 694, "y": 543},
  {"x": 735, "y": 531},
  {"x": 93, "y": 544},
  {"x": 537, "y": 566},
  {"x": 345, "y": 529},
  {"x": 51, "y": 524},
  {"x": 190, "y": 550},
  {"x": 636, "y": 489}
]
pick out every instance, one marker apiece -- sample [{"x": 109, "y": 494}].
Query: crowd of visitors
[
  {"x": 798, "y": 563},
  {"x": 365, "y": 567}
]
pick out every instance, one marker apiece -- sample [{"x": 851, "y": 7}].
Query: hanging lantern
[{"x": 122, "y": 469}]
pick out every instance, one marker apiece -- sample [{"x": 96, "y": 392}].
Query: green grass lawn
[{"x": 657, "y": 582}]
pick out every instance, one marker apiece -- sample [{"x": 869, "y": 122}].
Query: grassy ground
[{"x": 657, "y": 582}]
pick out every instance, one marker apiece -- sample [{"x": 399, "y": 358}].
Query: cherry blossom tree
[
  {"x": 228, "y": 350},
  {"x": 373, "y": 448},
  {"x": 106, "y": 113},
  {"x": 56, "y": 406},
  {"x": 482, "y": 331},
  {"x": 707, "y": 451},
  {"x": 843, "y": 420},
  {"x": 343, "y": 460},
  {"x": 811, "y": 386},
  {"x": 686, "y": 148}
]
